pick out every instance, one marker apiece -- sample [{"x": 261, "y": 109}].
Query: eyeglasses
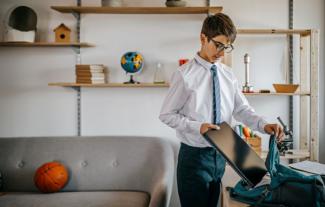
[{"x": 221, "y": 47}]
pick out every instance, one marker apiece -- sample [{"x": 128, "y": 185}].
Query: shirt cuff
[
  {"x": 261, "y": 125},
  {"x": 195, "y": 126}
]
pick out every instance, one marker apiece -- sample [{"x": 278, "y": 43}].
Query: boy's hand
[
  {"x": 206, "y": 126},
  {"x": 276, "y": 130}
]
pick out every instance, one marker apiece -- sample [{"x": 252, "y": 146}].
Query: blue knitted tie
[{"x": 216, "y": 95}]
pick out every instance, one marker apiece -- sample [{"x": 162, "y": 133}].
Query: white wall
[{"x": 28, "y": 107}]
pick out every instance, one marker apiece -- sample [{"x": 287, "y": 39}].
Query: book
[
  {"x": 99, "y": 70},
  {"x": 93, "y": 66},
  {"x": 91, "y": 81},
  {"x": 90, "y": 78},
  {"x": 90, "y": 75},
  {"x": 90, "y": 68}
]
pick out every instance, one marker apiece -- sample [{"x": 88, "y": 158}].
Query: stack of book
[{"x": 91, "y": 74}]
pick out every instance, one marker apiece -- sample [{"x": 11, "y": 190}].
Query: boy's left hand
[{"x": 276, "y": 130}]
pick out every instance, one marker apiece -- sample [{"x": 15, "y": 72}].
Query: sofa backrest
[{"x": 94, "y": 163}]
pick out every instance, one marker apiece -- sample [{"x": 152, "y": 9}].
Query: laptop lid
[{"x": 242, "y": 158}]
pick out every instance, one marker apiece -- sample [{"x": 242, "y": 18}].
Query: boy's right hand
[{"x": 206, "y": 126}]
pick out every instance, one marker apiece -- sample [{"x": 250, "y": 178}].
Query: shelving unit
[
  {"x": 77, "y": 10},
  {"x": 308, "y": 88}
]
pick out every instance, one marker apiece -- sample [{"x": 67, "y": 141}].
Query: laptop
[{"x": 240, "y": 156}]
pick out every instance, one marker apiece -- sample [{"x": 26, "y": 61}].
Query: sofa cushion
[
  {"x": 94, "y": 163},
  {"x": 76, "y": 199}
]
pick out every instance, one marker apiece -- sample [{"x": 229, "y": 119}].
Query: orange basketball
[{"x": 51, "y": 177}]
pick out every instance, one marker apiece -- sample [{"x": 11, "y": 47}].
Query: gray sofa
[{"x": 104, "y": 171}]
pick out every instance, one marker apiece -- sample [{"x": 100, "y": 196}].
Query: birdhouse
[{"x": 62, "y": 33}]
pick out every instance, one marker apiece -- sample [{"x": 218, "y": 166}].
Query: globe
[{"x": 132, "y": 62}]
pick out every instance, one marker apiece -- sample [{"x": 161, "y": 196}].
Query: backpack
[{"x": 288, "y": 187}]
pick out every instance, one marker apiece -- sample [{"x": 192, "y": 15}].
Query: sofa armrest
[{"x": 162, "y": 186}]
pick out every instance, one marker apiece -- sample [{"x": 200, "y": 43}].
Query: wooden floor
[{"x": 228, "y": 202}]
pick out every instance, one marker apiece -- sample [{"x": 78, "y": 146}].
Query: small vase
[{"x": 159, "y": 76}]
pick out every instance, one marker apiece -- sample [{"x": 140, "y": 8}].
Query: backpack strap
[
  {"x": 260, "y": 201},
  {"x": 263, "y": 196}
]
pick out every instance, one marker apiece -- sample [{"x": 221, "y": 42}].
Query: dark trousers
[{"x": 199, "y": 173}]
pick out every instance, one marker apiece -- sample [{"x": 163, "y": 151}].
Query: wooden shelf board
[
  {"x": 141, "y": 85},
  {"x": 45, "y": 44},
  {"x": 66, "y": 84},
  {"x": 278, "y": 94},
  {"x": 275, "y": 31},
  {"x": 137, "y": 10},
  {"x": 296, "y": 154}
]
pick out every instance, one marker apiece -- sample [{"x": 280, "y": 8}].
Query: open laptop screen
[{"x": 238, "y": 154}]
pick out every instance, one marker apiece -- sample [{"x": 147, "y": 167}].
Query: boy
[{"x": 202, "y": 94}]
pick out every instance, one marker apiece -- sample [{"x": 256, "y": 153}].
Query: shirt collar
[{"x": 204, "y": 63}]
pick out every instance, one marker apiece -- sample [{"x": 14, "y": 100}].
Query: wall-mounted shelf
[
  {"x": 45, "y": 44},
  {"x": 292, "y": 154},
  {"x": 116, "y": 85},
  {"x": 137, "y": 10},
  {"x": 302, "y": 32},
  {"x": 112, "y": 85},
  {"x": 278, "y": 94}
]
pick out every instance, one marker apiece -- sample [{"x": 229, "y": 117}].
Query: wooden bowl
[{"x": 285, "y": 88}]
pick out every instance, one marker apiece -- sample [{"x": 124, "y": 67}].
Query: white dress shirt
[{"x": 188, "y": 103}]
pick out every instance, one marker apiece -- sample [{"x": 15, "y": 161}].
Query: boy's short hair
[{"x": 219, "y": 24}]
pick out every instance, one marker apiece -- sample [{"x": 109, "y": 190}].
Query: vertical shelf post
[
  {"x": 208, "y": 5},
  {"x": 304, "y": 86},
  {"x": 78, "y": 61},
  {"x": 314, "y": 67},
  {"x": 290, "y": 36}
]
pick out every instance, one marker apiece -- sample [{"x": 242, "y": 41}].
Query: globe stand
[{"x": 132, "y": 81}]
